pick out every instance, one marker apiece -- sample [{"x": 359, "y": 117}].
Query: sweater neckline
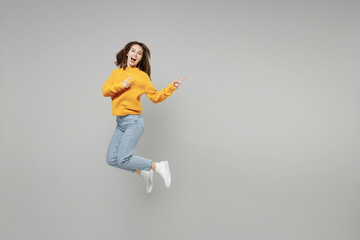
[{"x": 132, "y": 69}]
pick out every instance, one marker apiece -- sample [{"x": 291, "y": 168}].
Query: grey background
[{"x": 262, "y": 137}]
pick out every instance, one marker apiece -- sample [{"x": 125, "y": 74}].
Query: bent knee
[
  {"x": 119, "y": 162},
  {"x": 123, "y": 161},
  {"x": 111, "y": 161}
]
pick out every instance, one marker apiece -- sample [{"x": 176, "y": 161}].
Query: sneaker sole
[
  {"x": 167, "y": 170},
  {"x": 150, "y": 182}
]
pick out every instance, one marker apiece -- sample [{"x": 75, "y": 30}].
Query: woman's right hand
[
  {"x": 177, "y": 83},
  {"x": 126, "y": 83}
]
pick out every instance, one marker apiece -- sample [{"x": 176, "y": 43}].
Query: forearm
[
  {"x": 159, "y": 96},
  {"x": 111, "y": 89}
]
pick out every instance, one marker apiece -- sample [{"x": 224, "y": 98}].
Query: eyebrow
[{"x": 135, "y": 50}]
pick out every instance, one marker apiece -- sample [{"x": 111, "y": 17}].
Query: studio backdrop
[{"x": 262, "y": 137}]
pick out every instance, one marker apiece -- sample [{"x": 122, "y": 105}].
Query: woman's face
[{"x": 134, "y": 55}]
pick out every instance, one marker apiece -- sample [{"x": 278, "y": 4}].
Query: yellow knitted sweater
[{"x": 127, "y": 100}]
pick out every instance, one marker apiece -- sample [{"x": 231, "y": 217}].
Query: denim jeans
[{"x": 127, "y": 134}]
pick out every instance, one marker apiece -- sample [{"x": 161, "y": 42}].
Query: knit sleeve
[
  {"x": 112, "y": 85},
  {"x": 158, "y": 96}
]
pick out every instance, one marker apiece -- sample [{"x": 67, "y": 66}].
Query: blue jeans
[{"x": 127, "y": 134}]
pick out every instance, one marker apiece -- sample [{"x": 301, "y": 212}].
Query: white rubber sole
[
  {"x": 150, "y": 182},
  {"x": 167, "y": 171}
]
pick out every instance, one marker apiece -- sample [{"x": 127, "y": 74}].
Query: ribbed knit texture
[{"x": 127, "y": 100}]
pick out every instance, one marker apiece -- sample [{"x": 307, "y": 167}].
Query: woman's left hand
[{"x": 177, "y": 83}]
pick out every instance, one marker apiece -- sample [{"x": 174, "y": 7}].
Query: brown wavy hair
[{"x": 143, "y": 65}]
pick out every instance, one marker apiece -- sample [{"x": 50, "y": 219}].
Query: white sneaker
[
  {"x": 163, "y": 169},
  {"x": 148, "y": 177}
]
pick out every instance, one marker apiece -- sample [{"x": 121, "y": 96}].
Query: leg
[
  {"x": 126, "y": 137},
  {"x": 153, "y": 167},
  {"x": 113, "y": 149},
  {"x": 129, "y": 141}
]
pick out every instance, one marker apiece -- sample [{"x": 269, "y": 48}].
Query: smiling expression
[{"x": 134, "y": 55}]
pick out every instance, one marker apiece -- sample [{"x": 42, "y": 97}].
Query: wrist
[{"x": 172, "y": 85}]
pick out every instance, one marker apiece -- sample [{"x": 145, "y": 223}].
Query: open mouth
[{"x": 133, "y": 60}]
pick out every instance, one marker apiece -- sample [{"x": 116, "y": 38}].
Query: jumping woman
[{"x": 125, "y": 86}]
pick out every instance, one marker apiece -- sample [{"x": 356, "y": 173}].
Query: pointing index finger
[{"x": 128, "y": 79}]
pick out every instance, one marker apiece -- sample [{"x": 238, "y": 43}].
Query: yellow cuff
[{"x": 172, "y": 87}]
